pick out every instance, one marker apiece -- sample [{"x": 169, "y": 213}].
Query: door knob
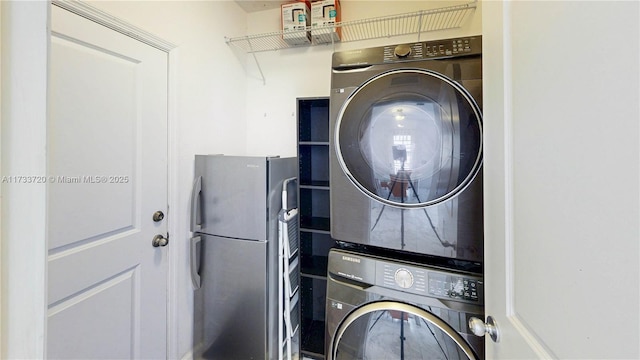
[
  {"x": 159, "y": 240},
  {"x": 158, "y": 216},
  {"x": 479, "y": 328}
]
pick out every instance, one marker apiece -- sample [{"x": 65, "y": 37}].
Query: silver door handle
[
  {"x": 479, "y": 328},
  {"x": 195, "y": 262},
  {"x": 159, "y": 240},
  {"x": 195, "y": 205}
]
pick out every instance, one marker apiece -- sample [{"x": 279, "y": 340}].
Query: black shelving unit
[{"x": 315, "y": 237}]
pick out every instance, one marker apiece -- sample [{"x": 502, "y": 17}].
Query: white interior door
[
  {"x": 562, "y": 178},
  {"x": 107, "y": 166}
]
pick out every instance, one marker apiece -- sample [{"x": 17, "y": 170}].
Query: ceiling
[{"x": 253, "y": 6}]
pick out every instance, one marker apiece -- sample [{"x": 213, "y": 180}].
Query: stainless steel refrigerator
[{"x": 234, "y": 254}]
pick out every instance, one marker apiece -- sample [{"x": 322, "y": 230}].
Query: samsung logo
[
  {"x": 253, "y": 166},
  {"x": 351, "y": 259}
]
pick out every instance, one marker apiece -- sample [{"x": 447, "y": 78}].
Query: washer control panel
[
  {"x": 453, "y": 287},
  {"x": 426, "y": 281},
  {"x": 405, "y": 276}
]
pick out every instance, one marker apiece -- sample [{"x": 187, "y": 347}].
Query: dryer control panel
[
  {"x": 432, "y": 49},
  {"x": 427, "y": 50}
]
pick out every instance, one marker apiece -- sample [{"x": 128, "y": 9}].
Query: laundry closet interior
[
  {"x": 445, "y": 160},
  {"x": 390, "y": 176}
]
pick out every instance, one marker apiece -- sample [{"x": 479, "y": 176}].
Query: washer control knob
[
  {"x": 404, "y": 278},
  {"x": 402, "y": 51}
]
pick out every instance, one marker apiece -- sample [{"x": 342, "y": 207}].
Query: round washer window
[
  {"x": 394, "y": 330},
  {"x": 409, "y": 138}
]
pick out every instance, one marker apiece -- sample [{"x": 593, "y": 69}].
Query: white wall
[
  {"x": 209, "y": 112},
  {"x": 306, "y": 71}
]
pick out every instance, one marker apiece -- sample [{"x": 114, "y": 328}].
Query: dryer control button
[{"x": 402, "y": 51}]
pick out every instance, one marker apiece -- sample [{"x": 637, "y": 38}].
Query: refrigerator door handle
[
  {"x": 196, "y": 223},
  {"x": 195, "y": 262}
]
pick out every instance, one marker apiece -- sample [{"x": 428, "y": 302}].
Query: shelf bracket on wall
[
  {"x": 255, "y": 58},
  {"x": 264, "y": 81}
]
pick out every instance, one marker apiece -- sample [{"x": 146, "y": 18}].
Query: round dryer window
[
  {"x": 409, "y": 138},
  {"x": 394, "y": 330}
]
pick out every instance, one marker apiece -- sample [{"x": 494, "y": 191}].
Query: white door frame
[
  {"x": 23, "y": 131},
  {"x": 24, "y": 59}
]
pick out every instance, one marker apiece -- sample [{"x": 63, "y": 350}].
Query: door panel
[
  {"x": 100, "y": 139},
  {"x": 561, "y": 179},
  {"x": 107, "y": 165},
  {"x": 116, "y": 300}
]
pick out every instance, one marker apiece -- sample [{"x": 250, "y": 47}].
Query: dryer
[
  {"x": 380, "y": 308},
  {"x": 406, "y": 148}
]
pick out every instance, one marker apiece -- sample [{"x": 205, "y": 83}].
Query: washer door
[
  {"x": 409, "y": 138},
  {"x": 394, "y": 330}
]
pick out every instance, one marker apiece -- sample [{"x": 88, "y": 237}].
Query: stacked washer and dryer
[{"x": 406, "y": 202}]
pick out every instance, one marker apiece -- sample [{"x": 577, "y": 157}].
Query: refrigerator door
[
  {"x": 236, "y": 297},
  {"x": 233, "y": 196}
]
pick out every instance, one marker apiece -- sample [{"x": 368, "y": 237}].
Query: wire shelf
[{"x": 374, "y": 28}]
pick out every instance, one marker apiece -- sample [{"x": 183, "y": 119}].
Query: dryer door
[
  {"x": 394, "y": 330},
  {"x": 409, "y": 138}
]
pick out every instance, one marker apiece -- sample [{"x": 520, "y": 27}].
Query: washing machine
[
  {"x": 381, "y": 308},
  {"x": 406, "y": 148}
]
